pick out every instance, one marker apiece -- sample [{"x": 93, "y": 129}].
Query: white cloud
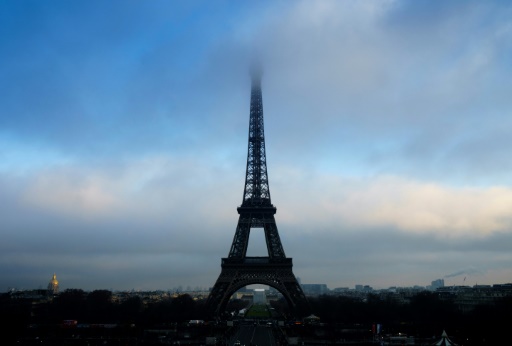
[
  {"x": 161, "y": 188},
  {"x": 66, "y": 192},
  {"x": 156, "y": 188},
  {"x": 346, "y": 204},
  {"x": 430, "y": 208}
]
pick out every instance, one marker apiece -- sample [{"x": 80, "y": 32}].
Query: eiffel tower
[{"x": 256, "y": 211}]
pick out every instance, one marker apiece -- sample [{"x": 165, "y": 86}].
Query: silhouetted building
[
  {"x": 436, "y": 284},
  {"x": 259, "y": 296},
  {"x": 315, "y": 289},
  {"x": 341, "y": 289}
]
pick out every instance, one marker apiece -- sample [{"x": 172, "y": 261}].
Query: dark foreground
[
  {"x": 79, "y": 318},
  {"x": 246, "y": 333}
]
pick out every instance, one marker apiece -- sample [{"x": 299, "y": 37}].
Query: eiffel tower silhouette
[{"x": 256, "y": 211}]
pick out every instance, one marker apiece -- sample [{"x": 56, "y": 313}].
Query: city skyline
[
  {"x": 310, "y": 288},
  {"x": 123, "y": 140}
]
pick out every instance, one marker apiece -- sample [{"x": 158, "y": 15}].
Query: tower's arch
[{"x": 276, "y": 284}]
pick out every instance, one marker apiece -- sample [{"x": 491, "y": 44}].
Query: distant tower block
[
  {"x": 257, "y": 211},
  {"x": 53, "y": 286}
]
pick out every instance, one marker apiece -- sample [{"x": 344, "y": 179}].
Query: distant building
[
  {"x": 273, "y": 296},
  {"x": 315, "y": 289},
  {"x": 259, "y": 296},
  {"x": 341, "y": 289},
  {"x": 247, "y": 297},
  {"x": 53, "y": 286},
  {"x": 434, "y": 285}
]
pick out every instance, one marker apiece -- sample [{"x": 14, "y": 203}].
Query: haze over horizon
[{"x": 123, "y": 140}]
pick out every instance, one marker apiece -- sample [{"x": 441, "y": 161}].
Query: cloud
[
  {"x": 163, "y": 187},
  {"x": 432, "y": 208},
  {"x": 386, "y": 94},
  {"x": 145, "y": 187},
  {"x": 467, "y": 271},
  {"x": 89, "y": 195},
  {"x": 337, "y": 204},
  {"x": 387, "y": 129},
  {"x": 162, "y": 215},
  {"x": 367, "y": 83}
]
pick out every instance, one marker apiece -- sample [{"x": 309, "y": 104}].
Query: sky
[{"x": 123, "y": 140}]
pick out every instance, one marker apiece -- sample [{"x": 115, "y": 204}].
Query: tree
[
  {"x": 69, "y": 305},
  {"x": 99, "y": 306}
]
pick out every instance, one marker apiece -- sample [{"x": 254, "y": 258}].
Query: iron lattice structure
[{"x": 256, "y": 211}]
